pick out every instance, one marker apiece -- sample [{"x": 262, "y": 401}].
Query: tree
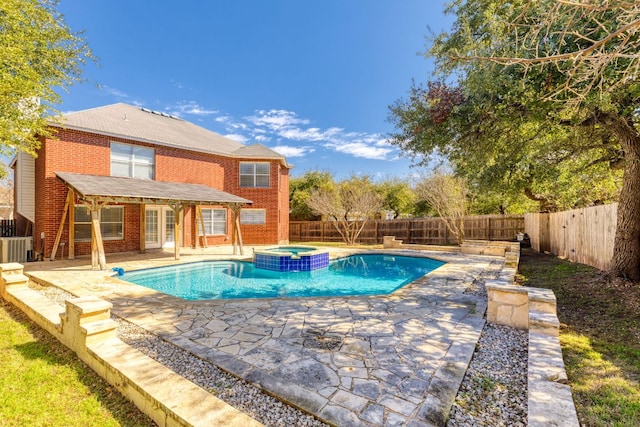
[
  {"x": 300, "y": 190},
  {"x": 397, "y": 196},
  {"x": 350, "y": 205},
  {"x": 39, "y": 54},
  {"x": 447, "y": 195},
  {"x": 548, "y": 88}
]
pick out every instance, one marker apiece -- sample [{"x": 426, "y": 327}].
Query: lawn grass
[
  {"x": 599, "y": 334},
  {"x": 43, "y": 383}
]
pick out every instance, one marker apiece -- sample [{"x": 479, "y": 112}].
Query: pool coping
[{"x": 439, "y": 394}]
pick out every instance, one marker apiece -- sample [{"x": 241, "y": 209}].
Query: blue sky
[{"x": 310, "y": 79}]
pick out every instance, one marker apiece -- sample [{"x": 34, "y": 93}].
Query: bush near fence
[{"x": 422, "y": 231}]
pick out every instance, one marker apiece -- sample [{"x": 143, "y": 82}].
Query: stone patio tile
[
  {"x": 395, "y": 420},
  {"x": 327, "y": 391},
  {"x": 399, "y": 405},
  {"x": 349, "y": 400},
  {"x": 353, "y": 372},
  {"x": 366, "y": 388},
  {"x": 216, "y": 325},
  {"x": 373, "y": 414},
  {"x": 310, "y": 373},
  {"x": 355, "y": 346},
  {"x": 341, "y": 360},
  {"x": 339, "y": 416},
  {"x": 243, "y": 336}
]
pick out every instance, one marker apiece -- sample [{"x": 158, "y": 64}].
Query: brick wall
[{"x": 83, "y": 152}]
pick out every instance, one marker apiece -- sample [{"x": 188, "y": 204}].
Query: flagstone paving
[{"x": 387, "y": 360}]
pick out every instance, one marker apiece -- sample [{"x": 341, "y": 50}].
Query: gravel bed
[
  {"x": 493, "y": 392},
  {"x": 494, "y": 388},
  {"x": 238, "y": 393}
]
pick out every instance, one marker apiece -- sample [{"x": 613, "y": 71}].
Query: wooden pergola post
[
  {"x": 98, "y": 259},
  {"x": 200, "y": 227},
  {"x": 177, "y": 208},
  {"x": 72, "y": 224},
  {"x": 236, "y": 235},
  {"x": 68, "y": 202},
  {"x": 143, "y": 228}
]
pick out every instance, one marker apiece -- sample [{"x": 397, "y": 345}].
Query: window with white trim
[
  {"x": 256, "y": 175},
  {"x": 215, "y": 222},
  {"x": 253, "y": 216},
  {"x": 111, "y": 223},
  {"x": 132, "y": 161}
]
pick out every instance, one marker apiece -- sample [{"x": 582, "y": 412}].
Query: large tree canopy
[
  {"x": 39, "y": 54},
  {"x": 541, "y": 97}
]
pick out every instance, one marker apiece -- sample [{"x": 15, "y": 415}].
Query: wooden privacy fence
[
  {"x": 424, "y": 231},
  {"x": 581, "y": 235}
]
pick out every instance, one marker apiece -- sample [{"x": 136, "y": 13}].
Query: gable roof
[
  {"x": 256, "y": 151},
  {"x": 132, "y": 190},
  {"x": 144, "y": 125}
]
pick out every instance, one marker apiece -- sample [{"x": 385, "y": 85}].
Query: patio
[{"x": 383, "y": 360}]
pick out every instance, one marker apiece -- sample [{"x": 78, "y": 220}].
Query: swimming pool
[{"x": 367, "y": 274}]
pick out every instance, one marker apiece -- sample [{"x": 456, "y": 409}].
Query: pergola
[{"x": 95, "y": 191}]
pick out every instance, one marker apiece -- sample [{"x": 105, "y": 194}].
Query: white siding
[{"x": 25, "y": 178}]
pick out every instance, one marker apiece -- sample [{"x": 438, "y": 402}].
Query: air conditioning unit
[{"x": 14, "y": 249}]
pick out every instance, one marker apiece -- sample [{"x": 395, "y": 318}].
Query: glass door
[
  {"x": 168, "y": 234},
  {"x": 159, "y": 227},
  {"x": 152, "y": 227}
]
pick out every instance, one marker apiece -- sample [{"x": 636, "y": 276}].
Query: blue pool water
[{"x": 350, "y": 276}]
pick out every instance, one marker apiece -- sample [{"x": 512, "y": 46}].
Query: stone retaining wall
[
  {"x": 550, "y": 402},
  {"x": 86, "y": 327}
]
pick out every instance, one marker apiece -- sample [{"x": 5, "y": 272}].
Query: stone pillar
[
  {"x": 87, "y": 321},
  {"x": 508, "y": 305},
  {"x": 11, "y": 274}
]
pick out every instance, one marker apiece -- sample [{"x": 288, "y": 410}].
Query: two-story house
[{"x": 121, "y": 178}]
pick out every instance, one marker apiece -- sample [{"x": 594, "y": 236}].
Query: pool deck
[{"x": 387, "y": 360}]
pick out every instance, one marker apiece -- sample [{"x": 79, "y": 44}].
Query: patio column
[
  {"x": 177, "y": 208},
  {"x": 69, "y": 201},
  {"x": 98, "y": 259},
  {"x": 72, "y": 224},
  {"x": 236, "y": 234},
  {"x": 143, "y": 228}
]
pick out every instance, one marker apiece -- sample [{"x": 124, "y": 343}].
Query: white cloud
[
  {"x": 121, "y": 96},
  {"x": 237, "y": 137},
  {"x": 190, "y": 108},
  {"x": 262, "y": 138},
  {"x": 287, "y": 128},
  {"x": 276, "y": 119},
  {"x": 361, "y": 149},
  {"x": 115, "y": 92},
  {"x": 290, "y": 151}
]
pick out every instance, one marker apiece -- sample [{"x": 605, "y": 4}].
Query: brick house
[{"x": 130, "y": 179}]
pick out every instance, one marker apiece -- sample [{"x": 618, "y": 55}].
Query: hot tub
[{"x": 291, "y": 258}]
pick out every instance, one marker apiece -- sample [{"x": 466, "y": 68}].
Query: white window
[
  {"x": 253, "y": 216},
  {"x": 215, "y": 222},
  {"x": 111, "y": 223},
  {"x": 132, "y": 161},
  {"x": 255, "y": 174}
]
